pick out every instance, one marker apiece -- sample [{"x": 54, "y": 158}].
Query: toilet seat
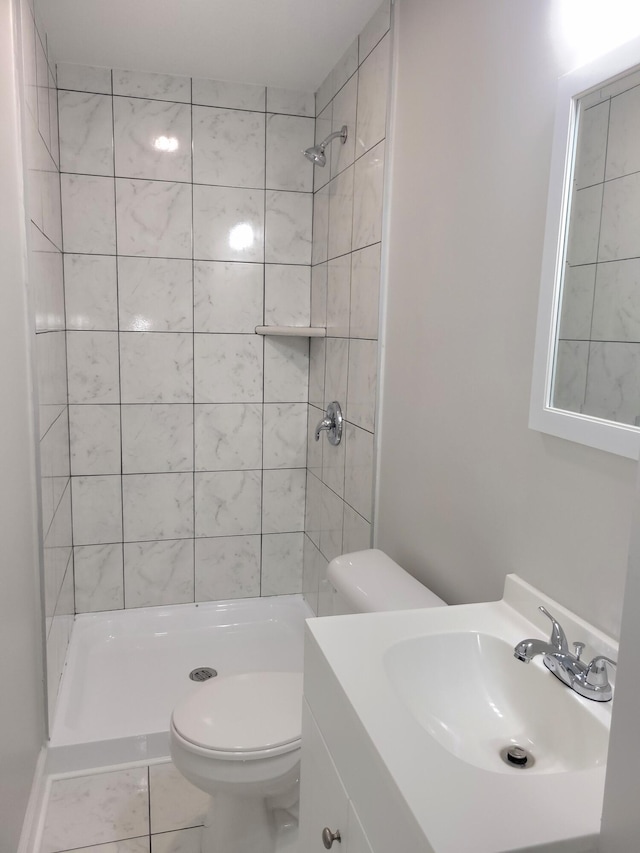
[{"x": 242, "y": 717}]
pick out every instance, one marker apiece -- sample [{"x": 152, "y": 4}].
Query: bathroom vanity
[{"x": 405, "y": 718}]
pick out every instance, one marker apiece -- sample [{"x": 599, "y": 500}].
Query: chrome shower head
[{"x": 316, "y": 152}]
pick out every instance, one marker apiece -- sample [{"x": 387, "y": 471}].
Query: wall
[
  {"x": 46, "y": 299},
  {"x": 21, "y": 665},
  {"x": 467, "y": 492},
  {"x": 345, "y": 288},
  {"x": 187, "y": 222}
]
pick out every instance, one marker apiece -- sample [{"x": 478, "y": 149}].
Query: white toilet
[{"x": 238, "y": 737}]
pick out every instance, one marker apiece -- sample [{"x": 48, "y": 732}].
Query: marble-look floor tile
[
  {"x": 88, "y": 214},
  {"x": 228, "y": 224},
  {"x": 228, "y": 297},
  {"x": 91, "y": 292},
  {"x": 98, "y": 577},
  {"x": 285, "y": 435},
  {"x": 228, "y": 368},
  {"x": 152, "y": 139},
  {"x": 157, "y": 506},
  {"x": 86, "y": 133},
  {"x": 288, "y": 226},
  {"x": 282, "y": 563},
  {"x": 155, "y": 295},
  {"x": 97, "y": 510},
  {"x": 287, "y": 136},
  {"x": 175, "y": 802},
  {"x": 156, "y": 367},
  {"x": 144, "y": 84},
  {"x": 95, "y": 439},
  {"x": 235, "y": 96},
  {"x": 157, "y": 573},
  {"x": 105, "y": 807},
  {"x": 283, "y": 500},
  {"x": 228, "y": 437},
  {"x": 227, "y": 567},
  {"x": 93, "y": 367},
  {"x": 228, "y": 147},
  {"x": 286, "y": 370},
  {"x": 287, "y": 295},
  {"x": 368, "y": 187},
  {"x": 154, "y": 218},
  {"x": 228, "y": 503},
  {"x": 180, "y": 841},
  {"x": 157, "y": 438}
]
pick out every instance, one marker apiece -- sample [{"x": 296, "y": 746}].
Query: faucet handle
[
  {"x": 558, "y": 637},
  {"x": 597, "y": 675},
  {"x": 578, "y": 648}
]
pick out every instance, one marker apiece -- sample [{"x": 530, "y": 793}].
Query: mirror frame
[{"x": 622, "y": 439}]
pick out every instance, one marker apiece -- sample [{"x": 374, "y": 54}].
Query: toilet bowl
[{"x": 238, "y": 737}]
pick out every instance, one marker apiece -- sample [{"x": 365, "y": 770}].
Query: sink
[{"x": 470, "y": 694}]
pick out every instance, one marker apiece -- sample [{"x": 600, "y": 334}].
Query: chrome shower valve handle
[{"x": 331, "y": 423}]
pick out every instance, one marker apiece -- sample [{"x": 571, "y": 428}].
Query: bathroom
[{"x": 465, "y": 491}]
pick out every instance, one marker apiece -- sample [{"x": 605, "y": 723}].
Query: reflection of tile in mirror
[
  {"x": 623, "y": 150},
  {"x": 613, "y": 391},
  {"x": 620, "y": 229},
  {"x": 616, "y": 307},
  {"x": 585, "y": 224},
  {"x": 592, "y": 146},
  {"x": 570, "y": 375},
  {"x": 577, "y": 302}
]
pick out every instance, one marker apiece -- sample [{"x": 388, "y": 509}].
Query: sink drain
[
  {"x": 517, "y": 756},
  {"x": 202, "y": 673}
]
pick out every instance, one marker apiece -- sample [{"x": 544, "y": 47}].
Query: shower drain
[{"x": 202, "y": 673}]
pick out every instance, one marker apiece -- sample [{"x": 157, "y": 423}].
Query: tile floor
[{"x": 138, "y": 809}]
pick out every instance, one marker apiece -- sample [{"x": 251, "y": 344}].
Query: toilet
[{"x": 238, "y": 737}]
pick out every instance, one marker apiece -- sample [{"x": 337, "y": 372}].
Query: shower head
[{"x": 316, "y": 152}]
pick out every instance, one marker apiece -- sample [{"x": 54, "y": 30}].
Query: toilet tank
[{"x": 368, "y": 581}]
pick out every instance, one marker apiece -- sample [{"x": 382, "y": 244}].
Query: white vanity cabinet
[{"x": 324, "y": 801}]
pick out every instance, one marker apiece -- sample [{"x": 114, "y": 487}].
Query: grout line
[{"x": 193, "y": 354}]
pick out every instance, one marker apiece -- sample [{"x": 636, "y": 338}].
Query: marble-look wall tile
[
  {"x": 93, "y": 367},
  {"x": 152, "y": 139},
  {"x": 572, "y": 358},
  {"x": 91, "y": 292},
  {"x": 338, "y": 296},
  {"x": 344, "y": 115},
  {"x": 577, "y": 302},
  {"x": 362, "y": 383},
  {"x": 367, "y": 197},
  {"x": 621, "y": 142},
  {"x": 313, "y": 509},
  {"x": 155, "y": 295},
  {"x": 154, "y": 218},
  {"x": 157, "y": 506},
  {"x": 333, "y": 467},
  {"x": 228, "y": 297},
  {"x": 375, "y": 30},
  {"x": 620, "y": 227},
  {"x": 322, "y": 174},
  {"x": 317, "y": 357},
  {"x": 314, "y": 448},
  {"x": 288, "y": 224},
  {"x": 282, "y": 563},
  {"x": 158, "y": 573},
  {"x": 86, "y": 133},
  {"x": 287, "y": 137},
  {"x": 358, "y": 480},
  {"x": 220, "y": 93},
  {"x": 156, "y": 367},
  {"x": 228, "y": 437},
  {"x": 287, "y": 295},
  {"x": 336, "y": 371},
  {"x": 98, "y": 572},
  {"x": 283, "y": 500},
  {"x": 312, "y": 568},
  {"x": 94, "y": 439},
  {"x": 227, "y": 503},
  {"x": 319, "y": 295},
  {"x": 286, "y": 370},
  {"x": 98, "y": 809},
  {"x": 157, "y": 439},
  {"x": 97, "y": 510},
  {"x": 341, "y": 203},
  {"x": 612, "y": 390},
  {"x": 365, "y": 293},
  {"x": 356, "y": 532},
  {"x": 320, "y": 247},
  {"x": 228, "y": 224},
  {"x": 592, "y": 146},
  {"x": 372, "y": 97},
  {"x": 88, "y": 211},
  {"x": 84, "y": 78},
  {"x": 290, "y": 102},
  {"x": 143, "y": 84},
  {"x": 330, "y": 523},
  {"x": 285, "y": 435},
  {"x": 227, "y": 567},
  {"x": 582, "y": 245},
  {"x": 616, "y": 313},
  {"x": 228, "y": 369},
  {"x": 228, "y": 147}
]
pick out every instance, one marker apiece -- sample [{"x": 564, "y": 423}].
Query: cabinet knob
[{"x": 329, "y": 837}]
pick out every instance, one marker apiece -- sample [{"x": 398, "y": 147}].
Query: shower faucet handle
[{"x": 332, "y": 423}]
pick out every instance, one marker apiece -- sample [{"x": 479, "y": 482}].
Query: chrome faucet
[{"x": 588, "y": 680}]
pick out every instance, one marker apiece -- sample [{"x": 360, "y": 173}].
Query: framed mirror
[{"x": 586, "y": 377}]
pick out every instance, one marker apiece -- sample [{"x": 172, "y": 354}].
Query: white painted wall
[
  {"x": 467, "y": 491},
  {"x": 22, "y": 705}
]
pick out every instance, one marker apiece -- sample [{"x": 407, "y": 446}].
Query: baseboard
[{"x": 34, "y": 816}]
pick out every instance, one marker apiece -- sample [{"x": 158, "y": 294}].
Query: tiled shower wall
[
  {"x": 345, "y": 288},
  {"x": 187, "y": 211},
  {"x": 46, "y": 298}
]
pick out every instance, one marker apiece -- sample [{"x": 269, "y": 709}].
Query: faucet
[{"x": 588, "y": 680}]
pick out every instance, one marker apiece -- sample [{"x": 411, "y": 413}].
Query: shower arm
[{"x": 337, "y": 133}]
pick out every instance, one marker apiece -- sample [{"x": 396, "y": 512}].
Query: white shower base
[{"x": 126, "y": 669}]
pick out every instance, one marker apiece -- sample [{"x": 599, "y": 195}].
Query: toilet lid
[{"x": 243, "y": 713}]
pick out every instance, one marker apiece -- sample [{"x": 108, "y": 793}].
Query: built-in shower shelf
[{"x": 293, "y": 331}]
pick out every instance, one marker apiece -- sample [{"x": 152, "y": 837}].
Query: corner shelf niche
[{"x": 292, "y": 331}]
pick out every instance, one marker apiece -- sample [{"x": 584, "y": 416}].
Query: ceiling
[{"x": 291, "y": 44}]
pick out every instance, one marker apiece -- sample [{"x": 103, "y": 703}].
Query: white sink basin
[{"x": 469, "y": 692}]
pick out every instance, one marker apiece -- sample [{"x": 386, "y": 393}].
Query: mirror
[{"x": 586, "y": 382}]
